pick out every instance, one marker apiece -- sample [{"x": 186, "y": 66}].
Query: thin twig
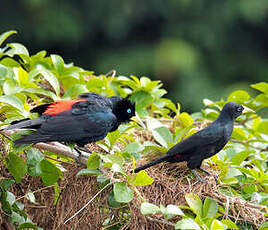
[
  {"x": 38, "y": 190},
  {"x": 55, "y": 147},
  {"x": 248, "y": 145},
  {"x": 160, "y": 221},
  {"x": 80, "y": 210}
]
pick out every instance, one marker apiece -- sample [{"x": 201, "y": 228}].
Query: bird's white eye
[
  {"x": 239, "y": 109},
  {"x": 128, "y": 110}
]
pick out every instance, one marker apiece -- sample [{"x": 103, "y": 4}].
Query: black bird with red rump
[
  {"x": 203, "y": 144},
  {"x": 83, "y": 120}
]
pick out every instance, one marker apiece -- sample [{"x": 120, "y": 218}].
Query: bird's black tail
[
  {"x": 25, "y": 124},
  {"x": 31, "y": 139},
  {"x": 157, "y": 161}
]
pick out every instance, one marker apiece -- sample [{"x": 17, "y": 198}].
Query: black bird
[
  {"x": 86, "y": 119},
  {"x": 203, "y": 144}
]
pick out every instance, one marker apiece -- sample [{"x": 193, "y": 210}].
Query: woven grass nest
[{"x": 171, "y": 183}]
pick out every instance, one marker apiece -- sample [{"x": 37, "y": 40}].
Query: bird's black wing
[
  {"x": 202, "y": 141},
  {"x": 79, "y": 123}
]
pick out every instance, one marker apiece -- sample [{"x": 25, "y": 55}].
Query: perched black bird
[
  {"x": 86, "y": 119},
  {"x": 203, "y": 144}
]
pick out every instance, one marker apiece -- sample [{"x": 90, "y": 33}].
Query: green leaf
[
  {"x": 241, "y": 156},
  {"x": 187, "y": 224},
  {"x": 22, "y": 76},
  {"x": 148, "y": 208},
  {"x": 263, "y": 127},
  {"x": 239, "y": 134},
  {"x": 122, "y": 193},
  {"x": 217, "y": 225},
  {"x": 50, "y": 77},
  {"x": 230, "y": 224},
  {"x": 264, "y": 226},
  {"x": 261, "y": 86},
  {"x": 30, "y": 196},
  {"x": 75, "y": 90},
  {"x": 16, "y": 166},
  {"x": 162, "y": 135},
  {"x": 112, "y": 202},
  {"x": 34, "y": 157},
  {"x": 89, "y": 172},
  {"x": 184, "y": 120},
  {"x": 10, "y": 87},
  {"x": 174, "y": 210},
  {"x": 13, "y": 101},
  {"x": 195, "y": 203},
  {"x": 210, "y": 208},
  {"x": 6, "y": 183},
  {"x": 134, "y": 147},
  {"x": 93, "y": 161},
  {"x": 17, "y": 48},
  {"x": 28, "y": 225},
  {"x": 239, "y": 96},
  {"x": 58, "y": 63},
  {"x": 230, "y": 180},
  {"x": 142, "y": 178},
  {"x": 50, "y": 173},
  {"x": 5, "y": 35}
]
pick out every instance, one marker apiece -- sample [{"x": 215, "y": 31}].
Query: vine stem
[{"x": 81, "y": 209}]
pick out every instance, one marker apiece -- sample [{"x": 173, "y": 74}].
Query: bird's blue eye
[
  {"x": 239, "y": 109},
  {"x": 128, "y": 110}
]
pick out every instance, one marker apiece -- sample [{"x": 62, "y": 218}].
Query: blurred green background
[{"x": 198, "y": 48}]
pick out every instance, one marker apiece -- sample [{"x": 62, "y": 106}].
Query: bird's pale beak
[{"x": 248, "y": 110}]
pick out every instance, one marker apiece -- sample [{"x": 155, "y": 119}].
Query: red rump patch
[
  {"x": 61, "y": 106},
  {"x": 177, "y": 156}
]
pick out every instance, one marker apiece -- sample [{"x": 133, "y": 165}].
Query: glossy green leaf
[
  {"x": 122, "y": 193},
  {"x": 241, "y": 156},
  {"x": 28, "y": 225},
  {"x": 184, "y": 120},
  {"x": 261, "y": 86},
  {"x": 230, "y": 224},
  {"x": 16, "y": 166},
  {"x": 162, "y": 135},
  {"x": 50, "y": 173},
  {"x": 5, "y": 35},
  {"x": 142, "y": 178},
  {"x": 217, "y": 225},
  {"x": 34, "y": 157},
  {"x": 13, "y": 101},
  {"x": 174, "y": 210},
  {"x": 187, "y": 224},
  {"x": 89, "y": 172},
  {"x": 148, "y": 208},
  {"x": 58, "y": 63},
  {"x": 263, "y": 127},
  {"x": 264, "y": 226},
  {"x": 17, "y": 48},
  {"x": 134, "y": 147},
  {"x": 21, "y": 76},
  {"x": 50, "y": 77},
  {"x": 195, "y": 203},
  {"x": 93, "y": 161},
  {"x": 210, "y": 208},
  {"x": 239, "y": 96},
  {"x": 6, "y": 183}
]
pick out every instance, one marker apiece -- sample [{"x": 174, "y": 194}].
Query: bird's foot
[
  {"x": 210, "y": 174},
  {"x": 198, "y": 177}
]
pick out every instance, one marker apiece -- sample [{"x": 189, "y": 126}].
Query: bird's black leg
[
  {"x": 210, "y": 174},
  {"x": 198, "y": 177}
]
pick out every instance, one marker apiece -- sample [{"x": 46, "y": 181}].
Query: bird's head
[
  {"x": 232, "y": 109},
  {"x": 123, "y": 109}
]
